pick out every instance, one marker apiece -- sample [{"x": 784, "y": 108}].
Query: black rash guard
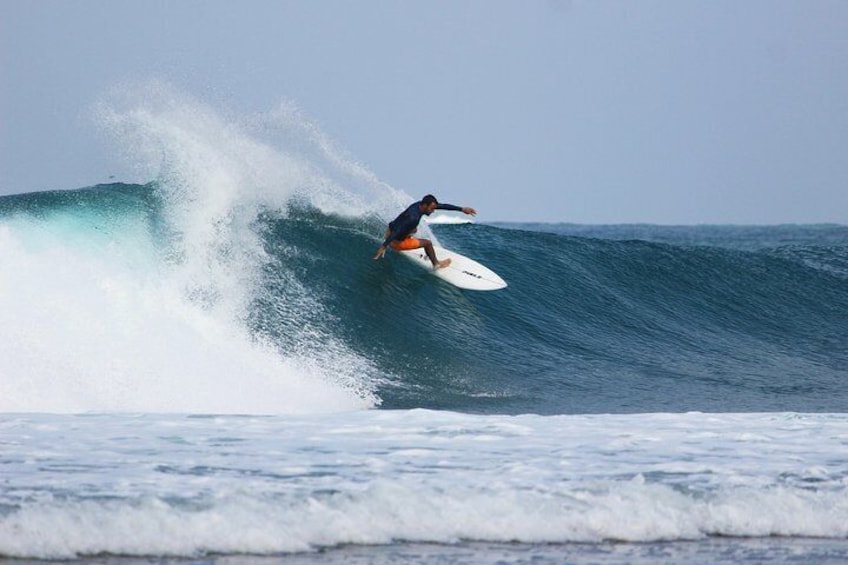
[{"x": 407, "y": 222}]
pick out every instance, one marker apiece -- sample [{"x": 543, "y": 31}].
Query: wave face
[
  {"x": 112, "y": 303},
  {"x": 589, "y": 325}
]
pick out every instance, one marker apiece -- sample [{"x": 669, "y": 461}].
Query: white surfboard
[{"x": 462, "y": 272}]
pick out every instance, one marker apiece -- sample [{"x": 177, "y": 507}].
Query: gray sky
[{"x": 672, "y": 112}]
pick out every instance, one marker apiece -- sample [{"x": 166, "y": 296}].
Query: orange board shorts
[{"x": 405, "y": 244}]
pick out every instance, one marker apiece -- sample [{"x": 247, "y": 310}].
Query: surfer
[{"x": 399, "y": 234}]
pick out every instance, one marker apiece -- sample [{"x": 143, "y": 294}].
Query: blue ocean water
[
  {"x": 210, "y": 368},
  {"x": 688, "y": 396}
]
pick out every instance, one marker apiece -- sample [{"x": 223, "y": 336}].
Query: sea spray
[{"x": 146, "y": 308}]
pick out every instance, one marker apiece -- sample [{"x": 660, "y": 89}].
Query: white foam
[
  {"x": 82, "y": 331},
  {"x": 182, "y": 486},
  {"x": 116, "y": 317}
]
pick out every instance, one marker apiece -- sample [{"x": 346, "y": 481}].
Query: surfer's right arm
[
  {"x": 390, "y": 235},
  {"x": 454, "y": 208}
]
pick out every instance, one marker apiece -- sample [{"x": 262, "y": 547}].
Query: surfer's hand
[
  {"x": 380, "y": 253},
  {"x": 469, "y": 211}
]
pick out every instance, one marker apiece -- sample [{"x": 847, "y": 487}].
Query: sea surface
[{"x": 209, "y": 368}]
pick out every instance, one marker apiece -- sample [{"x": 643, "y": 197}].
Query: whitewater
[{"x": 208, "y": 367}]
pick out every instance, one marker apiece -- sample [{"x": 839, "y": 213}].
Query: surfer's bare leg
[{"x": 431, "y": 254}]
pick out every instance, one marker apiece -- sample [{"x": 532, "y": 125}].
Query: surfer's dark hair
[{"x": 429, "y": 199}]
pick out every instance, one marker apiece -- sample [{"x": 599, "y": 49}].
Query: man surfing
[{"x": 399, "y": 235}]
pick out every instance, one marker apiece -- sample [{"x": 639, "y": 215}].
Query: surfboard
[{"x": 462, "y": 272}]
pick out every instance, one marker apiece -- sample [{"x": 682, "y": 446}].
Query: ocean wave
[
  {"x": 587, "y": 324},
  {"x": 246, "y": 264}
]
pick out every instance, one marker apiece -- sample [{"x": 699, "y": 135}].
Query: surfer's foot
[{"x": 442, "y": 264}]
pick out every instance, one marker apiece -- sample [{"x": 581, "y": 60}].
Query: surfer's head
[{"x": 428, "y": 204}]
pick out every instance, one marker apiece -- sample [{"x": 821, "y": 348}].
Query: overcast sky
[{"x": 671, "y": 112}]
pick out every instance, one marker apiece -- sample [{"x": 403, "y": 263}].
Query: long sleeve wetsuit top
[{"x": 407, "y": 222}]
